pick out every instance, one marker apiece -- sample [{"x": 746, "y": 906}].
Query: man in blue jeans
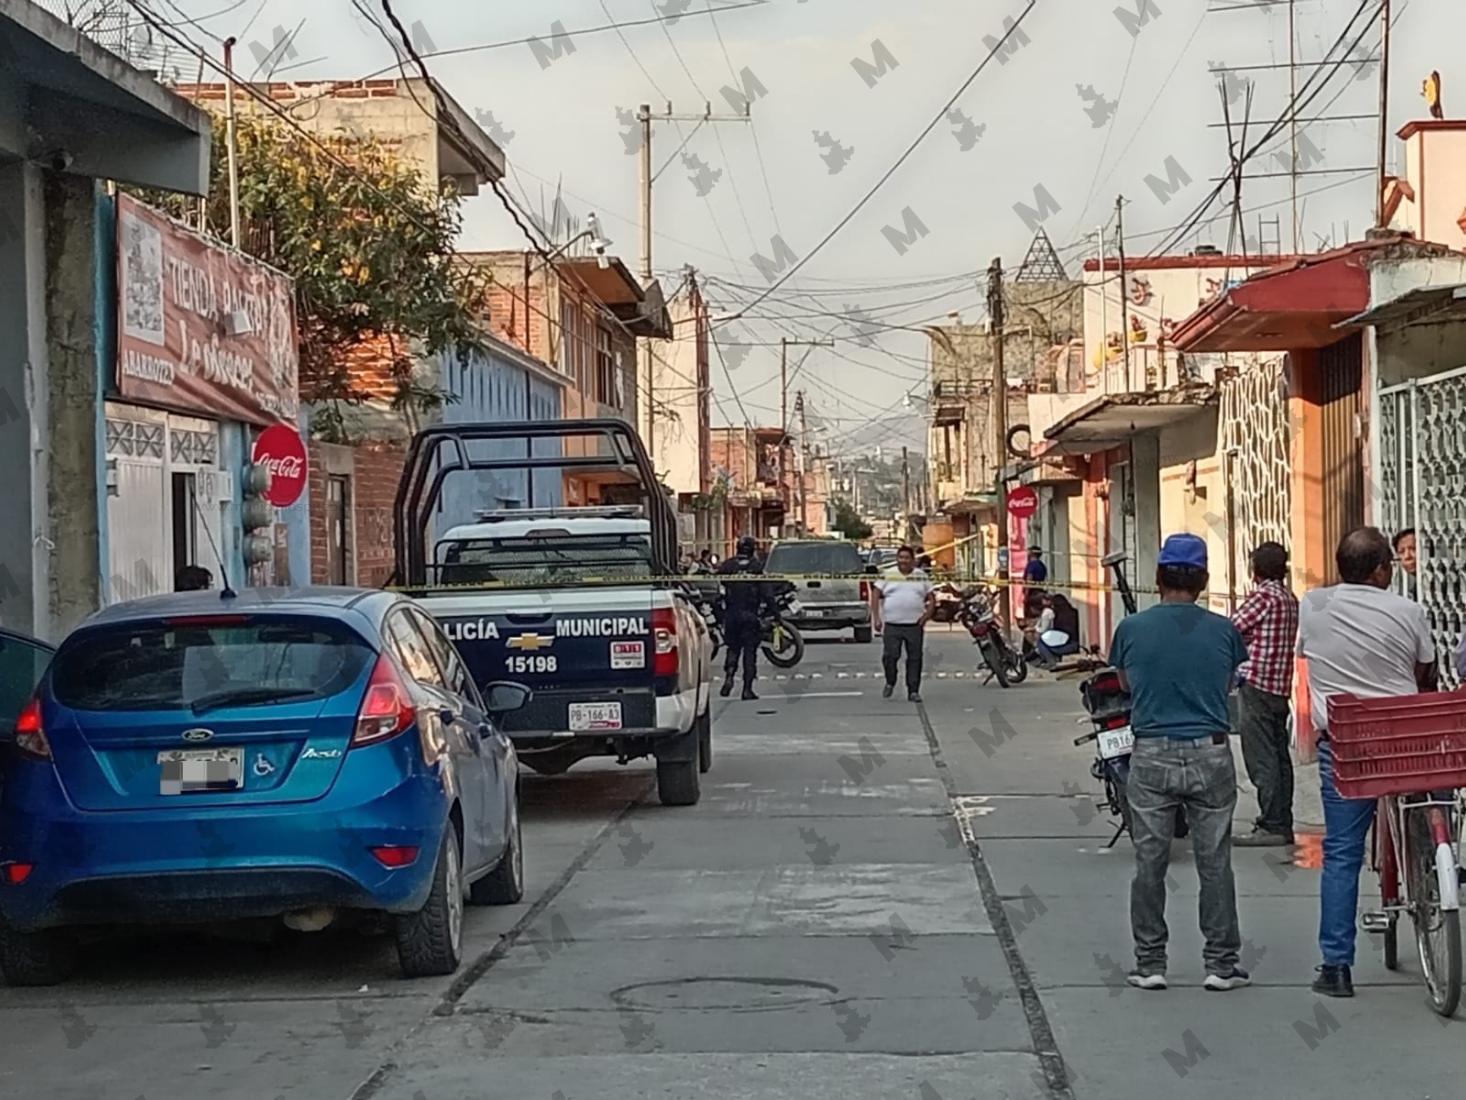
[
  {"x": 1177, "y": 660},
  {"x": 1360, "y": 639}
]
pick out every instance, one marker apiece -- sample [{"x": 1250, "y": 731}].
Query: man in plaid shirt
[{"x": 1268, "y": 622}]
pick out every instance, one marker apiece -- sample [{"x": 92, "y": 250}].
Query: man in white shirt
[
  {"x": 903, "y": 604},
  {"x": 1360, "y": 639}
]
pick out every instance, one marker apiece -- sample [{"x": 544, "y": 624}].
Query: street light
[{"x": 598, "y": 243}]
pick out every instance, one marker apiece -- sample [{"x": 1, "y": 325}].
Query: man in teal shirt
[{"x": 1178, "y": 661}]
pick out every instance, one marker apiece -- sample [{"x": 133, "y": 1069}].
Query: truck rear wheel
[
  {"x": 677, "y": 780},
  {"x": 705, "y": 741}
]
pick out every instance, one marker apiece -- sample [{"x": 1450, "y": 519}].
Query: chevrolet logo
[{"x": 531, "y": 642}]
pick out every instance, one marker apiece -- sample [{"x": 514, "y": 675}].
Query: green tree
[
  {"x": 369, "y": 244},
  {"x": 848, "y": 521}
]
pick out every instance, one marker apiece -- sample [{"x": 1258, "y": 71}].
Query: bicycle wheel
[
  {"x": 1437, "y": 930},
  {"x": 1389, "y": 882}
]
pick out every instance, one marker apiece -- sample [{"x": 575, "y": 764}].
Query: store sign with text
[{"x": 201, "y": 328}]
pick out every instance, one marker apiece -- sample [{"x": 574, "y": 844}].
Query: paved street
[{"x": 873, "y": 899}]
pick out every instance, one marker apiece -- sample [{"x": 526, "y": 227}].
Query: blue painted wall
[{"x": 497, "y": 388}]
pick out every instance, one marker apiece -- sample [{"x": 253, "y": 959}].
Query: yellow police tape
[{"x": 738, "y": 578}]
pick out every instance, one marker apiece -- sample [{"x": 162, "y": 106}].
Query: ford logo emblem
[{"x": 197, "y": 735}]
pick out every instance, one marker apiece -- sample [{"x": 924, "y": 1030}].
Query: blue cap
[{"x": 1183, "y": 550}]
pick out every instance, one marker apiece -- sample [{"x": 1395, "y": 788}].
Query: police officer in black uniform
[{"x": 741, "y": 603}]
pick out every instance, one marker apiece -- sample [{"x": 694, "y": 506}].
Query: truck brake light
[
  {"x": 666, "y": 657},
  {"x": 865, "y": 591}
]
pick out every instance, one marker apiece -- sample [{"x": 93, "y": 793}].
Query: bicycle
[{"x": 1410, "y": 752}]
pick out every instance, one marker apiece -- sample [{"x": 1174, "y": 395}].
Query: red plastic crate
[{"x": 1405, "y": 744}]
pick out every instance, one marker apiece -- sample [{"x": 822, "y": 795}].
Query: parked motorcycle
[
  {"x": 1108, "y": 705},
  {"x": 783, "y": 645},
  {"x": 976, "y": 614}
]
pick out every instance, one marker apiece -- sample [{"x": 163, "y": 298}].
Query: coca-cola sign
[{"x": 280, "y": 450}]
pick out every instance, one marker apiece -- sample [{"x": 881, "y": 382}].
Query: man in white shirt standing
[
  {"x": 903, "y": 604},
  {"x": 1360, "y": 639}
]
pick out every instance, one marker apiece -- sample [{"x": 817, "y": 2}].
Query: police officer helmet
[{"x": 746, "y": 546}]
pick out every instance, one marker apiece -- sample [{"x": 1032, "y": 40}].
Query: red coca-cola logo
[{"x": 281, "y": 451}]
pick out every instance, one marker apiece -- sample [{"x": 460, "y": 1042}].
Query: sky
[{"x": 1087, "y": 101}]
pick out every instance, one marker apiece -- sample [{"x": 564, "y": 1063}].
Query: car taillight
[
  {"x": 386, "y": 709},
  {"x": 17, "y": 873},
  {"x": 30, "y": 735},
  {"x": 865, "y": 591},
  {"x": 666, "y": 659}
]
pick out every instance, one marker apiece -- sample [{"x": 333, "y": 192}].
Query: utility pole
[
  {"x": 803, "y": 464},
  {"x": 645, "y": 118},
  {"x": 1292, "y": 135},
  {"x": 906, "y": 494},
  {"x": 998, "y": 406},
  {"x": 1384, "y": 109},
  {"x": 784, "y": 345},
  {"x": 230, "y": 141},
  {"x": 1124, "y": 290},
  {"x": 1104, "y": 288}
]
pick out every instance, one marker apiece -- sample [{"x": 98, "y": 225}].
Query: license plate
[
  {"x": 1113, "y": 743},
  {"x": 187, "y": 770},
  {"x": 595, "y": 716}
]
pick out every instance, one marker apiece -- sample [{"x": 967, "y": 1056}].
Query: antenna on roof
[{"x": 227, "y": 592}]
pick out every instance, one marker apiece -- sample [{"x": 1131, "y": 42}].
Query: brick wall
[
  {"x": 374, "y": 470},
  {"x": 374, "y": 489}
]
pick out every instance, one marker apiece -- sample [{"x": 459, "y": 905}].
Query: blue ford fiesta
[{"x": 291, "y": 753}]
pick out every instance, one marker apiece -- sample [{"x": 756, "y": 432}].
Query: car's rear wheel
[
  {"x": 430, "y": 941},
  {"x": 504, "y": 885},
  {"x": 862, "y": 634},
  {"x": 47, "y": 957}
]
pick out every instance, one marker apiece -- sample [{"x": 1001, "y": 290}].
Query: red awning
[{"x": 1293, "y": 305}]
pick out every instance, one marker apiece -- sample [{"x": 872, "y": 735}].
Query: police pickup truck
[{"x": 572, "y": 602}]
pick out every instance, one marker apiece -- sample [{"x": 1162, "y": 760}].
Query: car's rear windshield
[
  {"x": 208, "y": 662},
  {"x": 560, "y": 558},
  {"x": 814, "y": 557}
]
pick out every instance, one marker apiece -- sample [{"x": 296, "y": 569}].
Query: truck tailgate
[{"x": 588, "y": 653}]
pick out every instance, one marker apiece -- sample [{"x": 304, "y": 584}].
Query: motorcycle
[
  {"x": 947, "y": 603},
  {"x": 1108, "y": 705},
  {"x": 782, "y": 644},
  {"x": 976, "y": 614}
]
